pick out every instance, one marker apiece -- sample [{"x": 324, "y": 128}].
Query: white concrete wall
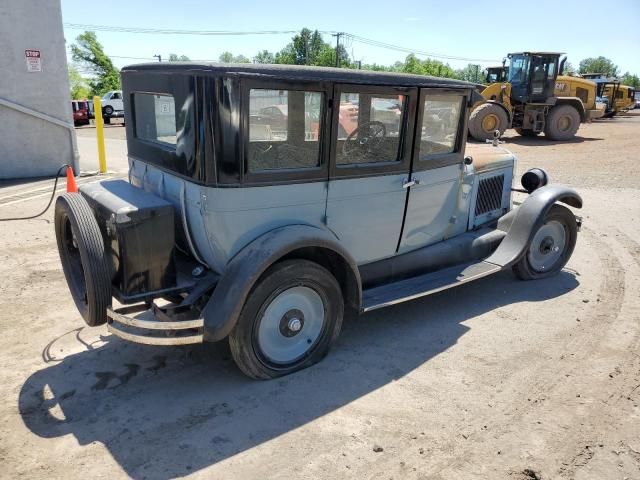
[{"x": 30, "y": 146}]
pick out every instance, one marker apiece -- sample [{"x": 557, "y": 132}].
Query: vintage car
[{"x": 270, "y": 240}]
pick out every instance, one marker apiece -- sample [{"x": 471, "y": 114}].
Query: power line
[
  {"x": 346, "y": 36},
  {"x": 163, "y": 31},
  {"x": 389, "y": 46}
]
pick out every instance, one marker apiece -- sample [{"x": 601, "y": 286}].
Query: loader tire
[
  {"x": 486, "y": 119},
  {"x": 562, "y": 123}
]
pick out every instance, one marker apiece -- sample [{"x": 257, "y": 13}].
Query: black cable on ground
[{"x": 53, "y": 194}]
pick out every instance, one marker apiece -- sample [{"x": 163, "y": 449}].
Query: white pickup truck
[{"x": 112, "y": 103}]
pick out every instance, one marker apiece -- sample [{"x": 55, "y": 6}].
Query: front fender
[
  {"x": 522, "y": 222},
  {"x": 241, "y": 273}
]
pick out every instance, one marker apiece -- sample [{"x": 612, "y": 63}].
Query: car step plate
[{"x": 416, "y": 287}]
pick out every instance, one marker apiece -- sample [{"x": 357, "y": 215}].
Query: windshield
[
  {"x": 107, "y": 96},
  {"x": 518, "y": 69}
]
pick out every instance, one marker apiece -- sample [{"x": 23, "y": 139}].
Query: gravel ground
[{"x": 495, "y": 379}]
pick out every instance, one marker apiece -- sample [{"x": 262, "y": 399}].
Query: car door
[
  {"x": 370, "y": 157},
  {"x": 436, "y": 179},
  {"x": 116, "y": 101}
]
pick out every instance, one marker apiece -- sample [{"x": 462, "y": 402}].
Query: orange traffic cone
[{"x": 71, "y": 181}]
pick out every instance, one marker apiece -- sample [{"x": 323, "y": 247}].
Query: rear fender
[
  {"x": 522, "y": 222},
  {"x": 223, "y": 309}
]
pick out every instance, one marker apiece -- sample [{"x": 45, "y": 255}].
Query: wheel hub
[
  {"x": 292, "y": 322},
  {"x": 290, "y": 325},
  {"x": 547, "y": 246},
  {"x": 489, "y": 123},
  {"x": 564, "y": 123}
]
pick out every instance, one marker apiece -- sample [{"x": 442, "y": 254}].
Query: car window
[
  {"x": 369, "y": 128},
  {"x": 284, "y": 129},
  {"x": 116, "y": 96},
  {"x": 440, "y": 125},
  {"x": 155, "y": 118}
]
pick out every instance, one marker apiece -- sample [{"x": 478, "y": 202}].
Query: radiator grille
[{"x": 489, "y": 194}]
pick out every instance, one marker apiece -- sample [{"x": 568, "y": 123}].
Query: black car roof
[{"x": 300, "y": 72}]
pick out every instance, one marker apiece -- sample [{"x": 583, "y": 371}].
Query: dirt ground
[{"x": 496, "y": 379}]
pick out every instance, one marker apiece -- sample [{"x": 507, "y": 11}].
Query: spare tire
[
  {"x": 486, "y": 119},
  {"x": 84, "y": 258}
]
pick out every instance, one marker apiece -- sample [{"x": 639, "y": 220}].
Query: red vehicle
[{"x": 81, "y": 112}]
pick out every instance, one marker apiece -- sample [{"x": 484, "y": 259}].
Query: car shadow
[{"x": 164, "y": 412}]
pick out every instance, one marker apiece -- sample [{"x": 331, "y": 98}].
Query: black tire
[
  {"x": 108, "y": 110},
  {"x": 243, "y": 340},
  {"x": 83, "y": 256},
  {"x": 562, "y": 123},
  {"x": 527, "y": 133},
  {"x": 486, "y": 119},
  {"x": 557, "y": 213}
]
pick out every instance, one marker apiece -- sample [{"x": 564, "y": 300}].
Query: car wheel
[
  {"x": 289, "y": 321},
  {"x": 527, "y": 133},
  {"x": 108, "y": 110},
  {"x": 83, "y": 257},
  {"x": 551, "y": 247},
  {"x": 562, "y": 123},
  {"x": 486, "y": 119}
]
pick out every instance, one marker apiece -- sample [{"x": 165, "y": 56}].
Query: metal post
[{"x": 97, "y": 113}]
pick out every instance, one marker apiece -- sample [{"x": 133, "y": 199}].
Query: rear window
[{"x": 155, "y": 118}]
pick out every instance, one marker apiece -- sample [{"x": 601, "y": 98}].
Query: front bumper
[
  {"x": 162, "y": 329},
  {"x": 593, "y": 114}
]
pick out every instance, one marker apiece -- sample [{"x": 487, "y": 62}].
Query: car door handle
[{"x": 410, "y": 183}]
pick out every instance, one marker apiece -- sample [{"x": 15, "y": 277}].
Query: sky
[{"x": 459, "y": 29}]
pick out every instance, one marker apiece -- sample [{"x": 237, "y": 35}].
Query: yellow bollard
[{"x": 97, "y": 112}]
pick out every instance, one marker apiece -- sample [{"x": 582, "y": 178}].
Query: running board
[{"x": 416, "y": 287}]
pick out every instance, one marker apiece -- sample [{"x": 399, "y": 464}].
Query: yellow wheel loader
[{"x": 530, "y": 102}]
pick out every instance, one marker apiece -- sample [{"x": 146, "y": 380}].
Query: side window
[
  {"x": 440, "y": 125},
  {"x": 551, "y": 69},
  {"x": 284, "y": 129},
  {"x": 369, "y": 128},
  {"x": 155, "y": 118},
  {"x": 116, "y": 96}
]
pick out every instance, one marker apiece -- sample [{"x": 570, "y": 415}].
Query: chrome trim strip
[
  {"x": 154, "y": 340},
  {"x": 153, "y": 325}
]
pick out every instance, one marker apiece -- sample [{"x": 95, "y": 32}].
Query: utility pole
[
  {"x": 338, "y": 35},
  {"x": 477, "y": 69},
  {"x": 159, "y": 57}
]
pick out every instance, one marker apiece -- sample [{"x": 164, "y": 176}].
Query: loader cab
[
  {"x": 533, "y": 76},
  {"x": 497, "y": 74}
]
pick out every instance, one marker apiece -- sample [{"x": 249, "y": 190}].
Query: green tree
[
  {"x": 569, "y": 69},
  {"x": 599, "y": 65},
  {"x": 631, "y": 80},
  {"x": 265, "y": 56},
  {"x": 174, "y": 57},
  {"x": 308, "y": 48},
  {"x": 228, "y": 57},
  {"x": 428, "y": 66},
  {"x": 471, "y": 73},
  {"x": 78, "y": 85},
  {"x": 89, "y": 53}
]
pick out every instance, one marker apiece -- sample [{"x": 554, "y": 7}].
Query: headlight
[{"x": 533, "y": 179}]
